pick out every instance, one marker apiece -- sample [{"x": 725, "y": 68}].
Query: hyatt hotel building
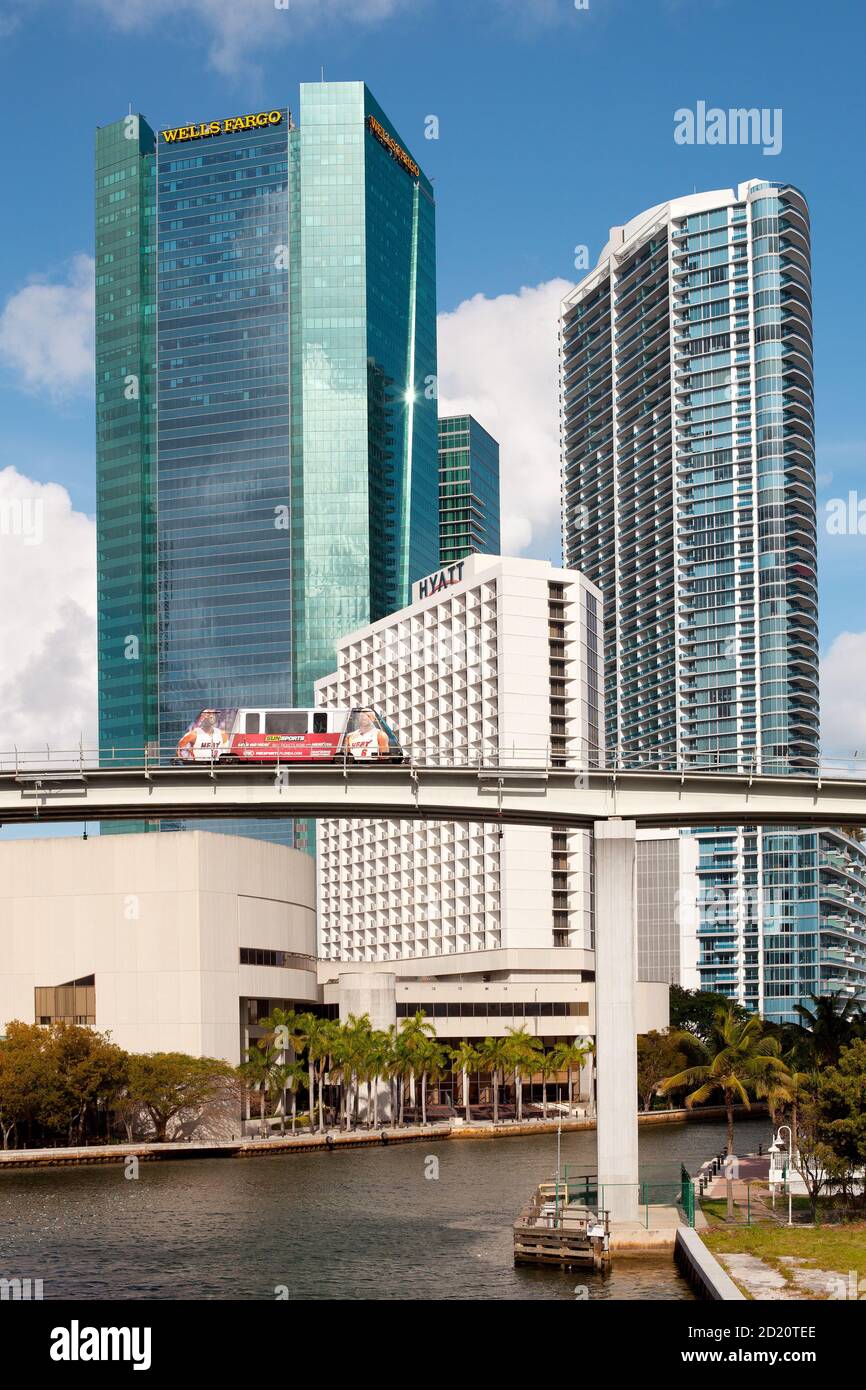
[{"x": 267, "y": 467}]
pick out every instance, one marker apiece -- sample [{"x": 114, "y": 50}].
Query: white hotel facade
[
  {"x": 494, "y": 659},
  {"x": 483, "y": 927}
]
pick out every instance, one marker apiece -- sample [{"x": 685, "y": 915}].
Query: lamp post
[{"x": 775, "y": 1147}]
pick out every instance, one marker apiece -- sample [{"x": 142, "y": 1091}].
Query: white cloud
[
  {"x": 843, "y": 706},
  {"x": 47, "y": 331},
  {"x": 47, "y": 617},
  {"x": 240, "y": 28},
  {"x": 498, "y": 361}
]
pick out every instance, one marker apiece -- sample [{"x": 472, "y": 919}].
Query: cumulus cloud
[
  {"x": 47, "y": 617},
  {"x": 46, "y": 332},
  {"x": 498, "y": 361},
  {"x": 236, "y": 31},
  {"x": 843, "y": 709}
]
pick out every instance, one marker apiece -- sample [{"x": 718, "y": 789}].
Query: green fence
[
  {"x": 687, "y": 1195},
  {"x": 665, "y": 1191}
]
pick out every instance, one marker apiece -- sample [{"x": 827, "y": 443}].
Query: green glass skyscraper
[
  {"x": 468, "y": 490},
  {"x": 267, "y": 463}
]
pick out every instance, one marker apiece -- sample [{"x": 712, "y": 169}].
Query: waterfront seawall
[
  {"x": 702, "y": 1269},
  {"x": 326, "y": 1143}
]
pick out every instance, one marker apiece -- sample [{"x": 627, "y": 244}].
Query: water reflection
[{"x": 363, "y": 1224}]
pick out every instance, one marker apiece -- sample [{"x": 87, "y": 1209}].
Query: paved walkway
[{"x": 766, "y": 1283}]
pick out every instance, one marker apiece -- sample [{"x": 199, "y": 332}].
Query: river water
[{"x": 361, "y": 1224}]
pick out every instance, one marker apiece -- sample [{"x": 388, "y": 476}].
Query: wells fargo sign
[
  {"x": 226, "y": 127},
  {"x": 393, "y": 148}
]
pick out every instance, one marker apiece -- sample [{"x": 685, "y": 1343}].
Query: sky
[{"x": 554, "y": 120}]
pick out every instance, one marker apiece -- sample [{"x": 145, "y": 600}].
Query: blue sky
[{"x": 554, "y": 123}]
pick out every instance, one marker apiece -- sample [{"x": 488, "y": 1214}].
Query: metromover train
[{"x": 289, "y": 735}]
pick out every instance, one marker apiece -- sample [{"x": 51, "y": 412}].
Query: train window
[
  {"x": 286, "y": 721},
  {"x": 320, "y": 723},
  {"x": 253, "y": 723}
]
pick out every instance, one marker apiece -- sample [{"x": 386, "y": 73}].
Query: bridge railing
[{"x": 484, "y": 755}]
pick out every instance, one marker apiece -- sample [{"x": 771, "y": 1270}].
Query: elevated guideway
[
  {"x": 528, "y": 794},
  {"x": 524, "y": 788}
]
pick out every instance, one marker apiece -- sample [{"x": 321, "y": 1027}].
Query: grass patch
[{"x": 838, "y": 1248}]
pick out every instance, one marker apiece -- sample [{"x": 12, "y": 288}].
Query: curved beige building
[{"x": 171, "y": 942}]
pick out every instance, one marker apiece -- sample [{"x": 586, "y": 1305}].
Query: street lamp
[{"x": 776, "y": 1147}]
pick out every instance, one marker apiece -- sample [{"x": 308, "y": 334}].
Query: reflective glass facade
[
  {"x": 689, "y": 498},
  {"x": 125, "y": 434},
  {"x": 365, "y": 503},
  {"x": 468, "y": 490},
  {"x": 278, "y": 474},
  {"x": 224, "y": 553}
]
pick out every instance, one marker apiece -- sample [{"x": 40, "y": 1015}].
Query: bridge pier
[{"x": 615, "y": 1020}]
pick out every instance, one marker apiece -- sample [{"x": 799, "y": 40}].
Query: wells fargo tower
[{"x": 267, "y": 470}]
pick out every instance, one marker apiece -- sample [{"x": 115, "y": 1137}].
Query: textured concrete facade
[{"x": 160, "y": 922}]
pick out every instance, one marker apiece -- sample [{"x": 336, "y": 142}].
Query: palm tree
[
  {"x": 328, "y": 1045},
  {"x": 571, "y": 1057},
  {"x": 283, "y": 1035},
  {"x": 546, "y": 1066},
  {"x": 524, "y": 1050},
  {"x": 740, "y": 1058},
  {"x": 258, "y": 1072},
  {"x": 414, "y": 1034},
  {"x": 311, "y": 1037},
  {"x": 431, "y": 1061},
  {"x": 790, "y": 1089},
  {"x": 467, "y": 1059},
  {"x": 352, "y": 1042},
  {"x": 294, "y": 1074},
  {"x": 376, "y": 1062},
  {"x": 495, "y": 1058},
  {"x": 828, "y": 1026},
  {"x": 394, "y": 1071}
]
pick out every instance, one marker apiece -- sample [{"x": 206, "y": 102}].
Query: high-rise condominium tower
[
  {"x": 689, "y": 477},
  {"x": 267, "y": 466},
  {"x": 468, "y": 489},
  {"x": 689, "y": 499}
]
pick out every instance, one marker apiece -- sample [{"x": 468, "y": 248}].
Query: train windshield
[{"x": 368, "y": 736}]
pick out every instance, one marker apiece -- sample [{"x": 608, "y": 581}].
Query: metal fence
[{"x": 570, "y": 755}]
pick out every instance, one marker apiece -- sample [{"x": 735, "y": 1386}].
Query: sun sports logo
[{"x": 77, "y": 1343}]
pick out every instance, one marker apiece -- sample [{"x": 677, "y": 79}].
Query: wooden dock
[{"x": 556, "y": 1227}]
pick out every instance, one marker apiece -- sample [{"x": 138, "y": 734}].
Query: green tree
[
  {"x": 166, "y": 1084},
  {"x": 739, "y": 1060},
  {"x": 546, "y": 1067},
  {"x": 842, "y": 1098},
  {"x": 413, "y": 1037},
  {"x": 83, "y": 1070},
  {"x": 660, "y": 1055},
  {"x": 376, "y": 1064},
  {"x": 495, "y": 1058},
  {"x": 23, "y": 1068},
  {"x": 572, "y": 1057},
  {"x": 694, "y": 1011},
  {"x": 524, "y": 1050},
  {"x": 828, "y": 1026},
  {"x": 295, "y": 1075},
  {"x": 311, "y": 1036},
  {"x": 262, "y": 1072},
  {"x": 467, "y": 1060},
  {"x": 430, "y": 1059}
]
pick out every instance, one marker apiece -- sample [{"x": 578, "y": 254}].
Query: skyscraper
[
  {"x": 267, "y": 466},
  {"x": 468, "y": 489},
  {"x": 689, "y": 499}
]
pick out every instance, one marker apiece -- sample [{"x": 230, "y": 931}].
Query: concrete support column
[{"x": 616, "y": 1037}]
